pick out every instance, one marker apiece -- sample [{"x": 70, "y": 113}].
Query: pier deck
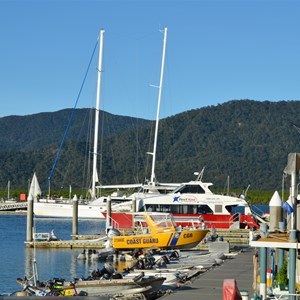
[
  {"x": 209, "y": 285},
  {"x": 13, "y": 206}
]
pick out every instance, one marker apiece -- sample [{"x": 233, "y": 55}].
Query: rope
[{"x": 71, "y": 117}]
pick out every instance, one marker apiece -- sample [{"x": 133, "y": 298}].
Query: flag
[{"x": 288, "y": 206}]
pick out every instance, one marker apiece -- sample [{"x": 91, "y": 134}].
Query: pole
[
  {"x": 75, "y": 219},
  {"x": 153, "y": 179},
  {"x": 108, "y": 214},
  {"x": 263, "y": 272},
  {"x": 293, "y": 198},
  {"x": 97, "y": 110},
  {"x": 280, "y": 251},
  {"x": 263, "y": 264},
  {"x": 29, "y": 236},
  {"x": 292, "y": 265},
  {"x": 133, "y": 203}
]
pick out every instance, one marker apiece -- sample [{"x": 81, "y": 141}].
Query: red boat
[{"x": 194, "y": 204}]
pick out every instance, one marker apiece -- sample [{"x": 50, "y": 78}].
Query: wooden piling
[
  {"x": 75, "y": 218},
  {"x": 108, "y": 214},
  {"x": 29, "y": 235}
]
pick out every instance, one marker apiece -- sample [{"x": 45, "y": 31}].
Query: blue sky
[{"x": 217, "y": 51}]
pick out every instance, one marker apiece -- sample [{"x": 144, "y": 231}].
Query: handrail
[
  {"x": 260, "y": 211},
  {"x": 113, "y": 222},
  {"x": 286, "y": 296},
  {"x": 12, "y": 206}
]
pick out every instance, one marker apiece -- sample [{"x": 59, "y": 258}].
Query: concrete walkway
[{"x": 209, "y": 285}]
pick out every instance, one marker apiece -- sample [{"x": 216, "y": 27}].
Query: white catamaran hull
[{"x": 65, "y": 210}]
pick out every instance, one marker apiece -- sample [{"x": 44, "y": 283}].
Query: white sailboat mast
[
  {"x": 97, "y": 110},
  {"x": 153, "y": 179}
]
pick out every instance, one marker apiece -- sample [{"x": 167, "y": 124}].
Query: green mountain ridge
[{"x": 245, "y": 140}]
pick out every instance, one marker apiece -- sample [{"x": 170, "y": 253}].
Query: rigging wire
[{"x": 71, "y": 116}]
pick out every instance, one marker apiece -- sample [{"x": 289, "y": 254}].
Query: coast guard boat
[{"x": 158, "y": 230}]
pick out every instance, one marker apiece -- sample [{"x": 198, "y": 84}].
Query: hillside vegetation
[{"x": 243, "y": 140}]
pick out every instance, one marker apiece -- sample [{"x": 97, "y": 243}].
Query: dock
[
  {"x": 78, "y": 242},
  {"x": 6, "y": 206},
  {"x": 209, "y": 285},
  {"x": 235, "y": 238}
]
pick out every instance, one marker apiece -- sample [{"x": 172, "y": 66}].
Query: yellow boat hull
[{"x": 184, "y": 239}]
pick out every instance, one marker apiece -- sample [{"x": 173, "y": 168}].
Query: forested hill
[{"x": 249, "y": 141}]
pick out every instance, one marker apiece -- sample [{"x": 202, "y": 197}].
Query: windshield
[
  {"x": 163, "y": 221},
  {"x": 190, "y": 189}
]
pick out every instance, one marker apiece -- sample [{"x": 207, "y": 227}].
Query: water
[{"x": 16, "y": 259}]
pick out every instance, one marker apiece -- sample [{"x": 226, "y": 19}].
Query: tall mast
[
  {"x": 153, "y": 179},
  {"x": 97, "y": 110}
]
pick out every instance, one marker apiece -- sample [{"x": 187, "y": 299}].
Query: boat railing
[
  {"x": 234, "y": 218},
  {"x": 257, "y": 210},
  {"x": 113, "y": 222},
  {"x": 139, "y": 228},
  {"x": 223, "y": 224},
  {"x": 196, "y": 224},
  {"x": 286, "y": 296}
]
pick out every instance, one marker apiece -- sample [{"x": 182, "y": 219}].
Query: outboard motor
[
  {"x": 113, "y": 232},
  {"x": 161, "y": 264},
  {"x": 137, "y": 253},
  {"x": 140, "y": 264},
  {"x": 109, "y": 268},
  {"x": 106, "y": 272},
  {"x": 165, "y": 259},
  {"x": 117, "y": 276},
  {"x": 149, "y": 261},
  {"x": 174, "y": 255}
]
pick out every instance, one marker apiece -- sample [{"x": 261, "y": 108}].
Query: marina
[
  {"x": 246, "y": 269},
  {"x": 157, "y": 246},
  {"x": 235, "y": 262},
  {"x": 49, "y": 253}
]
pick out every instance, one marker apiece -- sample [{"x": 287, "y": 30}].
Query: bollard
[{"x": 275, "y": 211}]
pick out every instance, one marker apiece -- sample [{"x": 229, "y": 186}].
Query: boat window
[
  {"x": 178, "y": 209},
  {"x": 232, "y": 209},
  {"x": 163, "y": 221},
  {"x": 237, "y": 209},
  {"x": 218, "y": 208},
  {"x": 204, "y": 209},
  {"x": 190, "y": 189}
]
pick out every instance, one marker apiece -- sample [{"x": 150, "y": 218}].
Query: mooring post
[
  {"x": 263, "y": 264},
  {"x": 29, "y": 236},
  {"x": 280, "y": 251},
  {"x": 292, "y": 264},
  {"x": 108, "y": 214},
  {"x": 75, "y": 219},
  {"x": 133, "y": 209}
]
